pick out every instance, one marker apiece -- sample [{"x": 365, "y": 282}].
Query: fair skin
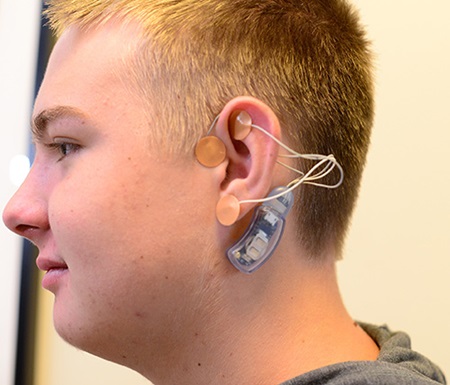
[{"x": 132, "y": 249}]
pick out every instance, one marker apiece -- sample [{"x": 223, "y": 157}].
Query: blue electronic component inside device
[{"x": 264, "y": 233}]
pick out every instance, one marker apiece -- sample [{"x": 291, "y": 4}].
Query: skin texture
[{"x": 134, "y": 253}]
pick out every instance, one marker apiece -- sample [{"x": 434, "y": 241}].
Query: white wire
[
  {"x": 325, "y": 165},
  {"x": 329, "y": 161},
  {"x": 213, "y": 124},
  {"x": 290, "y": 168},
  {"x": 303, "y": 180}
]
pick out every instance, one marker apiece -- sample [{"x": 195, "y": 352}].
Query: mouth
[
  {"x": 55, "y": 271},
  {"x": 48, "y": 265}
]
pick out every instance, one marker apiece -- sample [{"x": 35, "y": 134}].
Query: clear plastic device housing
[{"x": 261, "y": 238}]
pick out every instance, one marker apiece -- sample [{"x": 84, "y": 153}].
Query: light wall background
[
  {"x": 396, "y": 268},
  {"x": 397, "y": 265},
  {"x": 19, "y": 31}
]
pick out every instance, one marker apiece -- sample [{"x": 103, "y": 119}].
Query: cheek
[
  {"x": 139, "y": 254},
  {"x": 125, "y": 235},
  {"x": 103, "y": 203}
]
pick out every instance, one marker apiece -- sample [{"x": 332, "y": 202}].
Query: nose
[{"x": 26, "y": 213}]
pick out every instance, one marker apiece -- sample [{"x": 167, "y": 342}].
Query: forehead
[
  {"x": 87, "y": 73},
  {"x": 87, "y": 64}
]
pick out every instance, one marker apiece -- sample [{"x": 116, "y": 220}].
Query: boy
[{"x": 134, "y": 213}]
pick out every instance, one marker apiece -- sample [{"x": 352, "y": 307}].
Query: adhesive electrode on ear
[
  {"x": 240, "y": 124},
  {"x": 210, "y": 151},
  {"x": 227, "y": 210}
]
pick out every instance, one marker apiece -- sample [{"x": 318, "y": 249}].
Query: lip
[
  {"x": 55, "y": 271},
  {"x": 46, "y": 264}
]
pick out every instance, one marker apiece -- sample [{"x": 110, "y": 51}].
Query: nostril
[
  {"x": 21, "y": 228},
  {"x": 24, "y": 229}
]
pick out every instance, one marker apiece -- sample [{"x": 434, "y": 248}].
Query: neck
[{"x": 266, "y": 328}]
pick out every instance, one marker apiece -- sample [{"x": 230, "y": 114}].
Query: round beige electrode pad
[
  {"x": 227, "y": 210},
  {"x": 240, "y": 124},
  {"x": 210, "y": 151}
]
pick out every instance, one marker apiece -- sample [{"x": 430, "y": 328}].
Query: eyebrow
[{"x": 40, "y": 122}]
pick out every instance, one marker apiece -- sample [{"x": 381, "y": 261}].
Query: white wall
[
  {"x": 19, "y": 23},
  {"x": 397, "y": 266}
]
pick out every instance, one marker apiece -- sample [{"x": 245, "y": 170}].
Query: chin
[{"x": 92, "y": 336}]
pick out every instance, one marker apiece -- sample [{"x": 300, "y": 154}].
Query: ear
[{"x": 251, "y": 158}]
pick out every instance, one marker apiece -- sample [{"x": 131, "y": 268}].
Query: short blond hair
[{"x": 307, "y": 59}]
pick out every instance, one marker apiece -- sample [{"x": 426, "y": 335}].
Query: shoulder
[
  {"x": 363, "y": 373},
  {"x": 396, "y": 364},
  {"x": 395, "y": 350}
]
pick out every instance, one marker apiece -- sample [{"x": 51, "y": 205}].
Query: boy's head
[
  {"x": 307, "y": 60},
  {"x": 121, "y": 211}
]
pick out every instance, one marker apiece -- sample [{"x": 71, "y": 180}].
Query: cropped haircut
[{"x": 309, "y": 60}]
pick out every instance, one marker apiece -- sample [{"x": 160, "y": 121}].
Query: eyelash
[{"x": 64, "y": 148}]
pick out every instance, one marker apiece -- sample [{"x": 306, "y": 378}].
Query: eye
[
  {"x": 64, "y": 148},
  {"x": 67, "y": 148}
]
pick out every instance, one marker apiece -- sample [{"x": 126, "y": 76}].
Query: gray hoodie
[{"x": 397, "y": 364}]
